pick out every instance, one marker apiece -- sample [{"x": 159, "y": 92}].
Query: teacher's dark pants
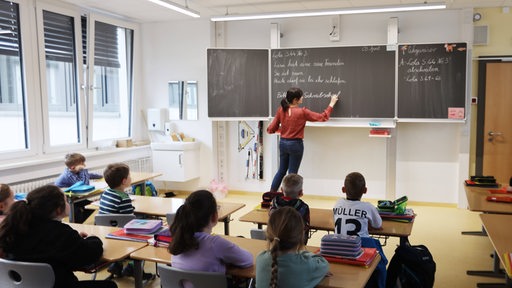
[{"x": 290, "y": 156}]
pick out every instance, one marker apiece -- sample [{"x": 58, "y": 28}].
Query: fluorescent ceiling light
[
  {"x": 177, "y": 7},
  {"x": 361, "y": 10}
]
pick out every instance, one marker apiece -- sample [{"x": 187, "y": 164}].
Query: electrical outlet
[{"x": 334, "y": 32}]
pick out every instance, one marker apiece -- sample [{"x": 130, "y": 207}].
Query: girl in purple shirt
[{"x": 193, "y": 247}]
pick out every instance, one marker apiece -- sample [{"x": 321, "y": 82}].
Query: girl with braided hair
[{"x": 286, "y": 263}]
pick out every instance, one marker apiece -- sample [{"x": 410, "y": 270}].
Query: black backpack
[{"x": 411, "y": 266}]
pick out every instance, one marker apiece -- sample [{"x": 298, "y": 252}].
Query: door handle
[{"x": 492, "y": 133}]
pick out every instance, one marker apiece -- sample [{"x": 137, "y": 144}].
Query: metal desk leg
[
  {"x": 71, "y": 209},
  {"x": 496, "y": 272},
  {"x": 475, "y": 233},
  {"x": 226, "y": 225},
  {"x": 137, "y": 273}
]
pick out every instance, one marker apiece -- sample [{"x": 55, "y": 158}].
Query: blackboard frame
[
  {"x": 432, "y": 82},
  {"x": 238, "y": 83},
  {"x": 260, "y": 100},
  {"x": 362, "y": 76}
]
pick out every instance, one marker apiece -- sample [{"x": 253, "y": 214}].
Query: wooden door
[{"x": 497, "y": 150}]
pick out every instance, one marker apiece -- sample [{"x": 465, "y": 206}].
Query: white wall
[{"x": 431, "y": 158}]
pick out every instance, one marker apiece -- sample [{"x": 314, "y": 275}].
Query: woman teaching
[{"x": 290, "y": 121}]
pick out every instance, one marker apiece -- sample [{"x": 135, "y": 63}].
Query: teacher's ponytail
[{"x": 292, "y": 94}]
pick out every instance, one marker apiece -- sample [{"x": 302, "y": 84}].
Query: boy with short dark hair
[
  {"x": 353, "y": 217},
  {"x": 292, "y": 191},
  {"x": 114, "y": 199},
  {"x": 75, "y": 171}
]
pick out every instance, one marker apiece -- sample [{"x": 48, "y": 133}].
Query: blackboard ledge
[
  {"x": 240, "y": 118},
  {"x": 430, "y": 120},
  {"x": 355, "y": 123}
]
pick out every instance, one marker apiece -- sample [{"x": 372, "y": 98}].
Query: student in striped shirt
[{"x": 114, "y": 199}]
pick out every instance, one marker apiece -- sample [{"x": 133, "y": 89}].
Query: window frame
[
  {"x": 92, "y": 18},
  {"x": 82, "y": 116}
]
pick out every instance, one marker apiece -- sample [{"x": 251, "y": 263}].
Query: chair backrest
[
  {"x": 170, "y": 218},
  {"x": 171, "y": 277},
  {"x": 115, "y": 220},
  {"x": 16, "y": 274},
  {"x": 258, "y": 234}
]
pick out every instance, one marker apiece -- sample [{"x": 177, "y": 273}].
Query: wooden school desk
[
  {"x": 159, "y": 206},
  {"x": 323, "y": 219},
  {"x": 498, "y": 230},
  {"x": 113, "y": 249},
  {"x": 344, "y": 275},
  {"x": 137, "y": 177},
  {"x": 477, "y": 203}
]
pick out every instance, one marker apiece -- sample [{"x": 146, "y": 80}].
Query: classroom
[{"x": 426, "y": 160}]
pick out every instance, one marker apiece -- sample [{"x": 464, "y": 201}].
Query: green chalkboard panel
[
  {"x": 432, "y": 81},
  {"x": 363, "y": 76},
  {"x": 238, "y": 82}
]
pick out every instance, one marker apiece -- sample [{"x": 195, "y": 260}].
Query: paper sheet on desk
[{"x": 99, "y": 184}]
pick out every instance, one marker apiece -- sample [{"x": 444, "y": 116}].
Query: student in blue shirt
[
  {"x": 75, "y": 171},
  {"x": 287, "y": 263}
]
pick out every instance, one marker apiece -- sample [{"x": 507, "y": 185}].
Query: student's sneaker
[
  {"x": 128, "y": 271},
  {"x": 116, "y": 269}
]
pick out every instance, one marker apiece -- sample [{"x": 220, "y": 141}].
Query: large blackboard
[
  {"x": 238, "y": 83},
  {"x": 363, "y": 76},
  {"x": 432, "y": 81}
]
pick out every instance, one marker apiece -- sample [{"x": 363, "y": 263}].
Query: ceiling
[{"x": 144, "y": 11}]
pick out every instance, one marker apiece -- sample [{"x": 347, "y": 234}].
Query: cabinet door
[{"x": 176, "y": 165}]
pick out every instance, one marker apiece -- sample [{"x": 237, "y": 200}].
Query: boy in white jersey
[{"x": 353, "y": 217}]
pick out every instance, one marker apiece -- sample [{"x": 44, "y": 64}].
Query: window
[
  {"x": 63, "y": 109},
  {"x": 111, "y": 90},
  {"x": 13, "y": 115}
]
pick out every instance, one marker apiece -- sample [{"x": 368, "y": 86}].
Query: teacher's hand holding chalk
[{"x": 334, "y": 99}]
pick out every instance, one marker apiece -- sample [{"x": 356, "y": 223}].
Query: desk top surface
[
  {"x": 477, "y": 201},
  {"x": 159, "y": 206},
  {"x": 100, "y": 184},
  {"x": 496, "y": 226},
  {"x": 113, "y": 249},
  {"x": 323, "y": 219},
  {"x": 344, "y": 275}
]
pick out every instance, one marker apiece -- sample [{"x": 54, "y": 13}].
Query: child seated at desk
[
  {"x": 75, "y": 171},
  {"x": 292, "y": 191},
  {"x": 114, "y": 200},
  {"x": 33, "y": 232},
  {"x": 6, "y": 200},
  {"x": 287, "y": 263},
  {"x": 194, "y": 247},
  {"x": 353, "y": 216}
]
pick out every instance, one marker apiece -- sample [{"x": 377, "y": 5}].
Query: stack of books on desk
[
  {"x": 408, "y": 216},
  {"x": 346, "y": 249},
  {"x": 482, "y": 181},
  {"x": 139, "y": 230}
]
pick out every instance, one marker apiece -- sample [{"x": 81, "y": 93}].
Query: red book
[
  {"x": 505, "y": 199},
  {"x": 364, "y": 260},
  {"x": 499, "y": 191},
  {"x": 122, "y": 235}
]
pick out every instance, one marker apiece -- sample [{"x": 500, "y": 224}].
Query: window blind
[
  {"x": 9, "y": 29},
  {"x": 59, "y": 43}
]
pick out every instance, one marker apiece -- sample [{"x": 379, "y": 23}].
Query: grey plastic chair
[
  {"x": 115, "y": 220},
  {"x": 16, "y": 274},
  {"x": 171, "y": 277},
  {"x": 170, "y": 218},
  {"x": 258, "y": 234}
]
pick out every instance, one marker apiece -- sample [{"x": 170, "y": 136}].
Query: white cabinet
[{"x": 178, "y": 161}]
